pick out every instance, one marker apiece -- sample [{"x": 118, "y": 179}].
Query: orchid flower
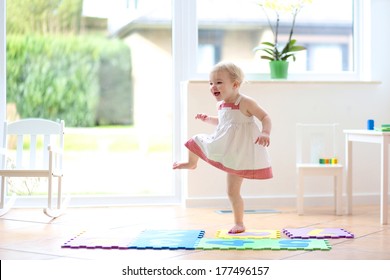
[{"x": 292, "y": 7}]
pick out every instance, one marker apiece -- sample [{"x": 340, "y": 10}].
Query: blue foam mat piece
[{"x": 167, "y": 239}]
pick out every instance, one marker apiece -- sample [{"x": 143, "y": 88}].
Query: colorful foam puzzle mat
[
  {"x": 263, "y": 244},
  {"x": 319, "y": 233},
  {"x": 248, "y": 234},
  {"x": 299, "y": 239}
]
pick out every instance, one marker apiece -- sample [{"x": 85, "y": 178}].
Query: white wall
[{"x": 348, "y": 103}]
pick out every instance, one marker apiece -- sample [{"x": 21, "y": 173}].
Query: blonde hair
[{"x": 235, "y": 72}]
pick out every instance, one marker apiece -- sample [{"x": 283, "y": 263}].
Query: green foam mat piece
[{"x": 263, "y": 244}]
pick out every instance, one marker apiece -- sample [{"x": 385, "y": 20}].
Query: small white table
[{"x": 369, "y": 136}]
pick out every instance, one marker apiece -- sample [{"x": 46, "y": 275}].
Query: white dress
[{"x": 232, "y": 146}]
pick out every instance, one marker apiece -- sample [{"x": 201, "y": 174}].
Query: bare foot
[
  {"x": 183, "y": 165},
  {"x": 237, "y": 229}
]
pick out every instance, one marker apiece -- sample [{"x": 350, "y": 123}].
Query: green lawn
[
  {"x": 118, "y": 146},
  {"x": 113, "y": 139}
]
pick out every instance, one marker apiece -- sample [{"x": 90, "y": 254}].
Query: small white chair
[
  {"x": 315, "y": 142},
  {"x": 41, "y": 160}
]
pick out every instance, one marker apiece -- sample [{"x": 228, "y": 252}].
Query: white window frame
[{"x": 3, "y": 70}]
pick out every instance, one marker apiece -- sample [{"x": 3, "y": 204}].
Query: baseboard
[{"x": 279, "y": 201}]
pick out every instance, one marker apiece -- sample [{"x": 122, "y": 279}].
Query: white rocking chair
[{"x": 43, "y": 160}]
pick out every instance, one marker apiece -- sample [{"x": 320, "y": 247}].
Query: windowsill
[
  {"x": 316, "y": 81},
  {"x": 291, "y": 81},
  {"x": 302, "y": 79}
]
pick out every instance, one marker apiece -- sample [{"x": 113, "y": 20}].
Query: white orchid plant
[{"x": 272, "y": 49}]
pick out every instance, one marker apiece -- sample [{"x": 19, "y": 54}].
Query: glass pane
[
  {"x": 135, "y": 160},
  {"x": 230, "y": 29},
  {"x": 126, "y": 159}
]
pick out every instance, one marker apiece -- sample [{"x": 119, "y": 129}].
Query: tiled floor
[{"x": 27, "y": 234}]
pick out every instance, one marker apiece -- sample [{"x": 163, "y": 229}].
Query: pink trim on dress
[
  {"x": 265, "y": 173},
  {"x": 232, "y": 106}
]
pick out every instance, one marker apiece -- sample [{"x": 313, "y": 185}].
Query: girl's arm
[
  {"x": 253, "y": 109},
  {"x": 207, "y": 119}
]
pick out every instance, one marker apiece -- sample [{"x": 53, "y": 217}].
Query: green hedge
[
  {"x": 59, "y": 77},
  {"x": 116, "y": 91}
]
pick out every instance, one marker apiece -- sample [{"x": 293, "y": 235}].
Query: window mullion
[{"x": 184, "y": 42}]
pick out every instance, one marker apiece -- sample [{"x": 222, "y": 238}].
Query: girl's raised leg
[{"x": 190, "y": 164}]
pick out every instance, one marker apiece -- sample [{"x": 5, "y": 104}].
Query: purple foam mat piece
[
  {"x": 319, "y": 233},
  {"x": 100, "y": 239}
]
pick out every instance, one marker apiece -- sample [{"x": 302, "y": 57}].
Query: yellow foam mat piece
[{"x": 249, "y": 234}]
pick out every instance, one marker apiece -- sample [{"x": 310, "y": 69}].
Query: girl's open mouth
[{"x": 217, "y": 93}]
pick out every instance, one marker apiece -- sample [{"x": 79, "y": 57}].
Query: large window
[
  {"x": 125, "y": 163},
  {"x": 143, "y": 170},
  {"x": 204, "y": 32},
  {"x": 230, "y": 29}
]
